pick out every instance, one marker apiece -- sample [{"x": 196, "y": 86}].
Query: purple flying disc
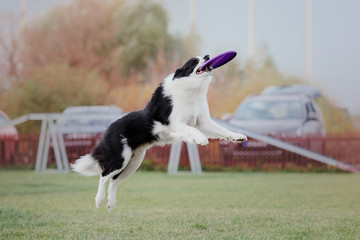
[{"x": 219, "y": 60}]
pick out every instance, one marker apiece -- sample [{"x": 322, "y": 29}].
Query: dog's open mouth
[{"x": 206, "y": 69}]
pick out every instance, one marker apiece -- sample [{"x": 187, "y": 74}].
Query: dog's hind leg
[
  {"x": 131, "y": 167},
  {"x": 100, "y": 196},
  {"x": 119, "y": 162}
]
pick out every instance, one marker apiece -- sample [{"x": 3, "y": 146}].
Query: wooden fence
[{"x": 218, "y": 155}]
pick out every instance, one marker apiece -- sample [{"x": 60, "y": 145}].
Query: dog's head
[{"x": 191, "y": 69}]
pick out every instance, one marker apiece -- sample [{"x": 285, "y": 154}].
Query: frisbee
[{"x": 219, "y": 60}]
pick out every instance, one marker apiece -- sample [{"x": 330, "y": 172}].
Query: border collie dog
[{"x": 177, "y": 111}]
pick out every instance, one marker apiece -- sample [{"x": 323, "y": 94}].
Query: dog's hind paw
[
  {"x": 110, "y": 207},
  {"x": 98, "y": 201},
  {"x": 111, "y": 203}
]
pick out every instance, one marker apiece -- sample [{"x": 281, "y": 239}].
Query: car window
[
  {"x": 269, "y": 110},
  {"x": 309, "y": 107},
  {"x": 3, "y": 121},
  {"x": 312, "y": 107}
]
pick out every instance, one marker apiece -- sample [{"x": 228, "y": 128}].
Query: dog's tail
[{"x": 87, "y": 165}]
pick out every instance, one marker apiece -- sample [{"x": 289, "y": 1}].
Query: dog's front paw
[
  {"x": 197, "y": 138},
  {"x": 201, "y": 139},
  {"x": 237, "y": 137}
]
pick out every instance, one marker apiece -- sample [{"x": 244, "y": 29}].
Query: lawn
[{"x": 154, "y": 205}]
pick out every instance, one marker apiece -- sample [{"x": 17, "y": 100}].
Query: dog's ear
[
  {"x": 178, "y": 73},
  {"x": 187, "y": 69}
]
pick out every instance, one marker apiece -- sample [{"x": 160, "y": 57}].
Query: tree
[
  {"x": 109, "y": 36},
  {"x": 75, "y": 53},
  {"x": 10, "y": 64},
  {"x": 54, "y": 88},
  {"x": 78, "y": 35}
]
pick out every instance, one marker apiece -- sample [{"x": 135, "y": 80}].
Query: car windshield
[{"x": 269, "y": 110}]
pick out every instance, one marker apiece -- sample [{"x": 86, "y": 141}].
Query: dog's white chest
[
  {"x": 191, "y": 121},
  {"x": 186, "y": 114}
]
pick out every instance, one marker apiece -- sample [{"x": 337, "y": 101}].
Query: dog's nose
[{"x": 206, "y": 57}]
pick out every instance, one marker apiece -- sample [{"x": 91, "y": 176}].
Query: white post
[
  {"x": 23, "y": 12},
  {"x": 61, "y": 143},
  {"x": 194, "y": 157},
  {"x": 45, "y": 154},
  {"x": 308, "y": 42},
  {"x": 40, "y": 150},
  {"x": 55, "y": 145},
  {"x": 193, "y": 14},
  {"x": 174, "y": 157},
  {"x": 250, "y": 30}
]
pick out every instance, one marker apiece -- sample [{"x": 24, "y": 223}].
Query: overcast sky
[{"x": 280, "y": 24}]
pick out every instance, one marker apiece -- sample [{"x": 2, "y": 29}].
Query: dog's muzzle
[{"x": 206, "y": 69}]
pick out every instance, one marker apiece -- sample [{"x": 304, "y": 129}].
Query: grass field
[{"x": 183, "y": 206}]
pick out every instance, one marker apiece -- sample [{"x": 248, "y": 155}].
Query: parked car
[
  {"x": 310, "y": 91},
  {"x": 84, "y": 121},
  {"x": 280, "y": 111},
  {"x": 288, "y": 111},
  {"x": 83, "y": 126}
]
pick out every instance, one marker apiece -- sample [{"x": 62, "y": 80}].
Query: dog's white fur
[{"x": 189, "y": 121}]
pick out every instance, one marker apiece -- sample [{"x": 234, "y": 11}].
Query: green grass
[{"x": 184, "y": 206}]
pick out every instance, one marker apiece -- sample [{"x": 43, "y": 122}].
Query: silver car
[
  {"x": 84, "y": 121},
  {"x": 285, "y": 114}
]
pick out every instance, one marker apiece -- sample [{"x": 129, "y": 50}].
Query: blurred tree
[
  {"x": 74, "y": 53},
  {"x": 141, "y": 34},
  {"x": 231, "y": 85},
  {"x": 113, "y": 51},
  {"x": 52, "y": 89},
  {"x": 192, "y": 42},
  {"x": 79, "y": 35},
  {"x": 10, "y": 64},
  {"x": 113, "y": 37},
  {"x": 337, "y": 119}
]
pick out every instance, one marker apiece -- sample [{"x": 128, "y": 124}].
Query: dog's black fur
[
  {"x": 177, "y": 111},
  {"x": 136, "y": 128}
]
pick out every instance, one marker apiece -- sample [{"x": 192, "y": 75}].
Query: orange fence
[{"x": 218, "y": 155}]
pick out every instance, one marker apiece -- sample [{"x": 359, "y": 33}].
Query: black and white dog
[{"x": 177, "y": 111}]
